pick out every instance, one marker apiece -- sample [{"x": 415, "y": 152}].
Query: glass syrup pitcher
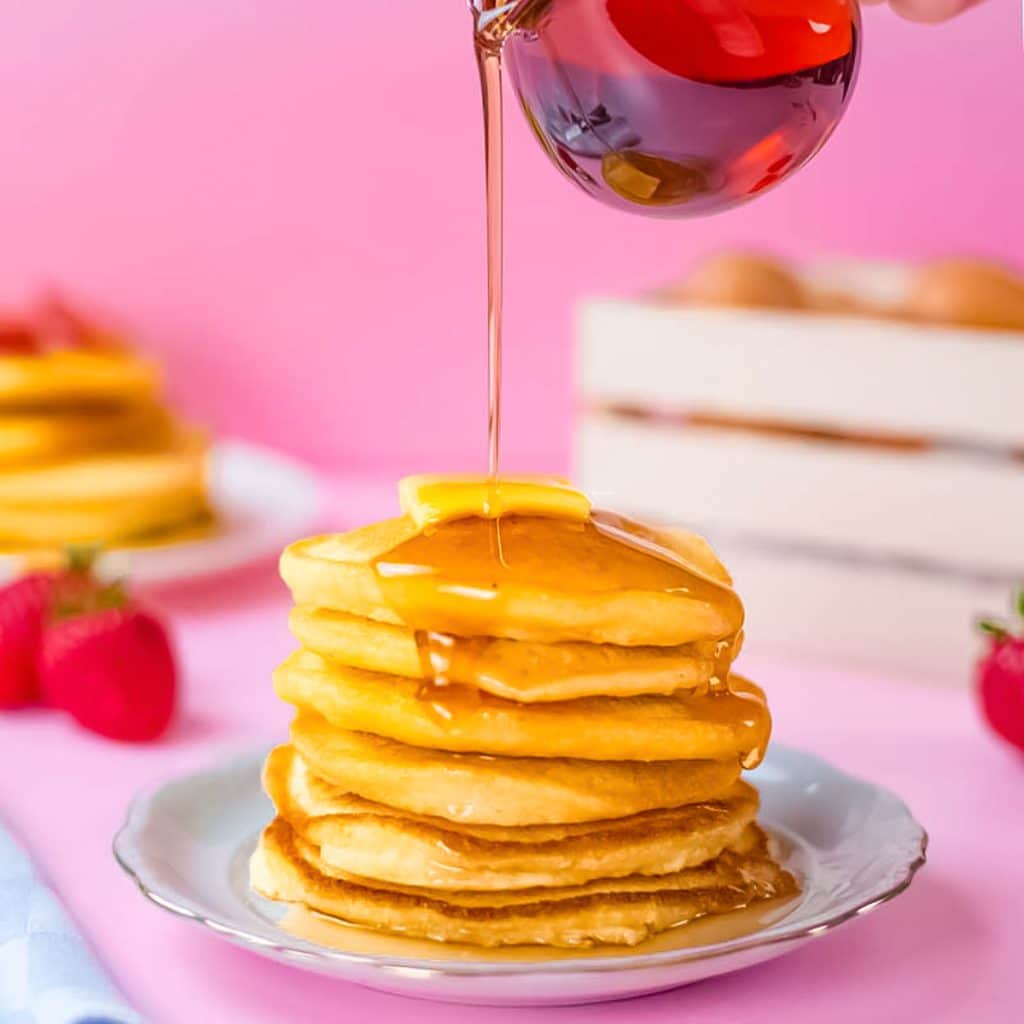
[{"x": 675, "y": 108}]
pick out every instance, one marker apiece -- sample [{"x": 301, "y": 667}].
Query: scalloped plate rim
[{"x": 790, "y": 929}]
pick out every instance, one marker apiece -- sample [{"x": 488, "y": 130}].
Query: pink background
[
  {"x": 297, "y": 226},
  {"x": 286, "y": 198}
]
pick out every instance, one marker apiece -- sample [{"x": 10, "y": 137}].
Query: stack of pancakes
[
  {"x": 514, "y": 730},
  {"x": 88, "y": 454}
]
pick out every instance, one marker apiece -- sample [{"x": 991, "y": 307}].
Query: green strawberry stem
[
  {"x": 1000, "y": 630},
  {"x": 81, "y": 557},
  {"x": 993, "y": 628},
  {"x": 113, "y": 595},
  {"x": 79, "y": 592}
]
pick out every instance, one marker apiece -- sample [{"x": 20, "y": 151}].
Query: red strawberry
[
  {"x": 1000, "y": 679},
  {"x": 18, "y": 338},
  {"x": 113, "y": 670},
  {"x": 24, "y": 604}
]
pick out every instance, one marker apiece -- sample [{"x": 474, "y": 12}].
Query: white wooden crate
[
  {"x": 867, "y": 553},
  {"x": 940, "y": 509},
  {"x": 845, "y": 372},
  {"x": 915, "y": 625}
]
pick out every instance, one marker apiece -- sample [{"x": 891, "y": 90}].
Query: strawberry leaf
[
  {"x": 81, "y": 594},
  {"x": 1020, "y": 602},
  {"x": 993, "y": 628},
  {"x": 113, "y": 595},
  {"x": 81, "y": 557}
]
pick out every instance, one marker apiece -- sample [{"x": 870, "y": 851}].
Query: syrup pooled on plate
[
  {"x": 676, "y": 108},
  {"x": 334, "y": 934}
]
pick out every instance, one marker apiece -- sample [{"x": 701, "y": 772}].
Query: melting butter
[{"x": 432, "y": 500}]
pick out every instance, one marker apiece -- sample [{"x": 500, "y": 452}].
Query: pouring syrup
[{"x": 669, "y": 108}]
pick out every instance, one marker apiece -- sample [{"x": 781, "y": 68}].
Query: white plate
[
  {"x": 852, "y": 844},
  {"x": 263, "y": 500}
]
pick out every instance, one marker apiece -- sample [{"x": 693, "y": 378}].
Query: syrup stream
[
  {"x": 449, "y": 555},
  {"x": 488, "y": 55}
]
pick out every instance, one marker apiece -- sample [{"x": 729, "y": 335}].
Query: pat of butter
[{"x": 429, "y": 500}]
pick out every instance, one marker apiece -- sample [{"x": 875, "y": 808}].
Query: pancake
[
  {"x": 585, "y": 587},
  {"x": 105, "y": 522},
  {"x": 109, "y": 476},
  {"x": 104, "y": 498},
  {"x": 88, "y": 452},
  {"x": 55, "y": 434},
  {"x": 75, "y": 376},
  {"x": 513, "y": 669},
  {"x": 386, "y": 845},
  {"x": 507, "y": 791},
  {"x": 321, "y": 798},
  {"x": 620, "y": 911},
  {"x": 751, "y": 840},
  {"x": 727, "y": 726}
]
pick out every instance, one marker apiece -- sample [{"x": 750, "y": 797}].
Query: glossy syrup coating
[
  {"x": 518, "y": 724},
  {"x": 473, "y": 572}
]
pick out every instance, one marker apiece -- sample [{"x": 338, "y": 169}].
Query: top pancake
[{"x": 550, "y": 581}]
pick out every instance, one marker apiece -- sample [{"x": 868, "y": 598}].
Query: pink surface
[
  {"x": 287, "y": 199},
  {"x": 946, "y": 951}
]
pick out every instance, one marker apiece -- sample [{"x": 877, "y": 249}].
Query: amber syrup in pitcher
[{"x": 680, "y": 107}]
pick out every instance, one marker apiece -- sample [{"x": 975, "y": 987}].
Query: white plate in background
[{"x": 263, "y": 500}]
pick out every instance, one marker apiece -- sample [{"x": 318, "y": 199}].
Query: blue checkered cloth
[{"x": 47, "y": 973}]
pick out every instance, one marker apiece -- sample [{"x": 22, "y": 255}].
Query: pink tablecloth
[{"x": 949, "y": 950}]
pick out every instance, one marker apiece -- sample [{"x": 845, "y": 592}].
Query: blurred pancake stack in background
[
  {"x": 855, "y": 430},
  {"x": 517, "y": 724},
  {"x": 88, "y": 451}
]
